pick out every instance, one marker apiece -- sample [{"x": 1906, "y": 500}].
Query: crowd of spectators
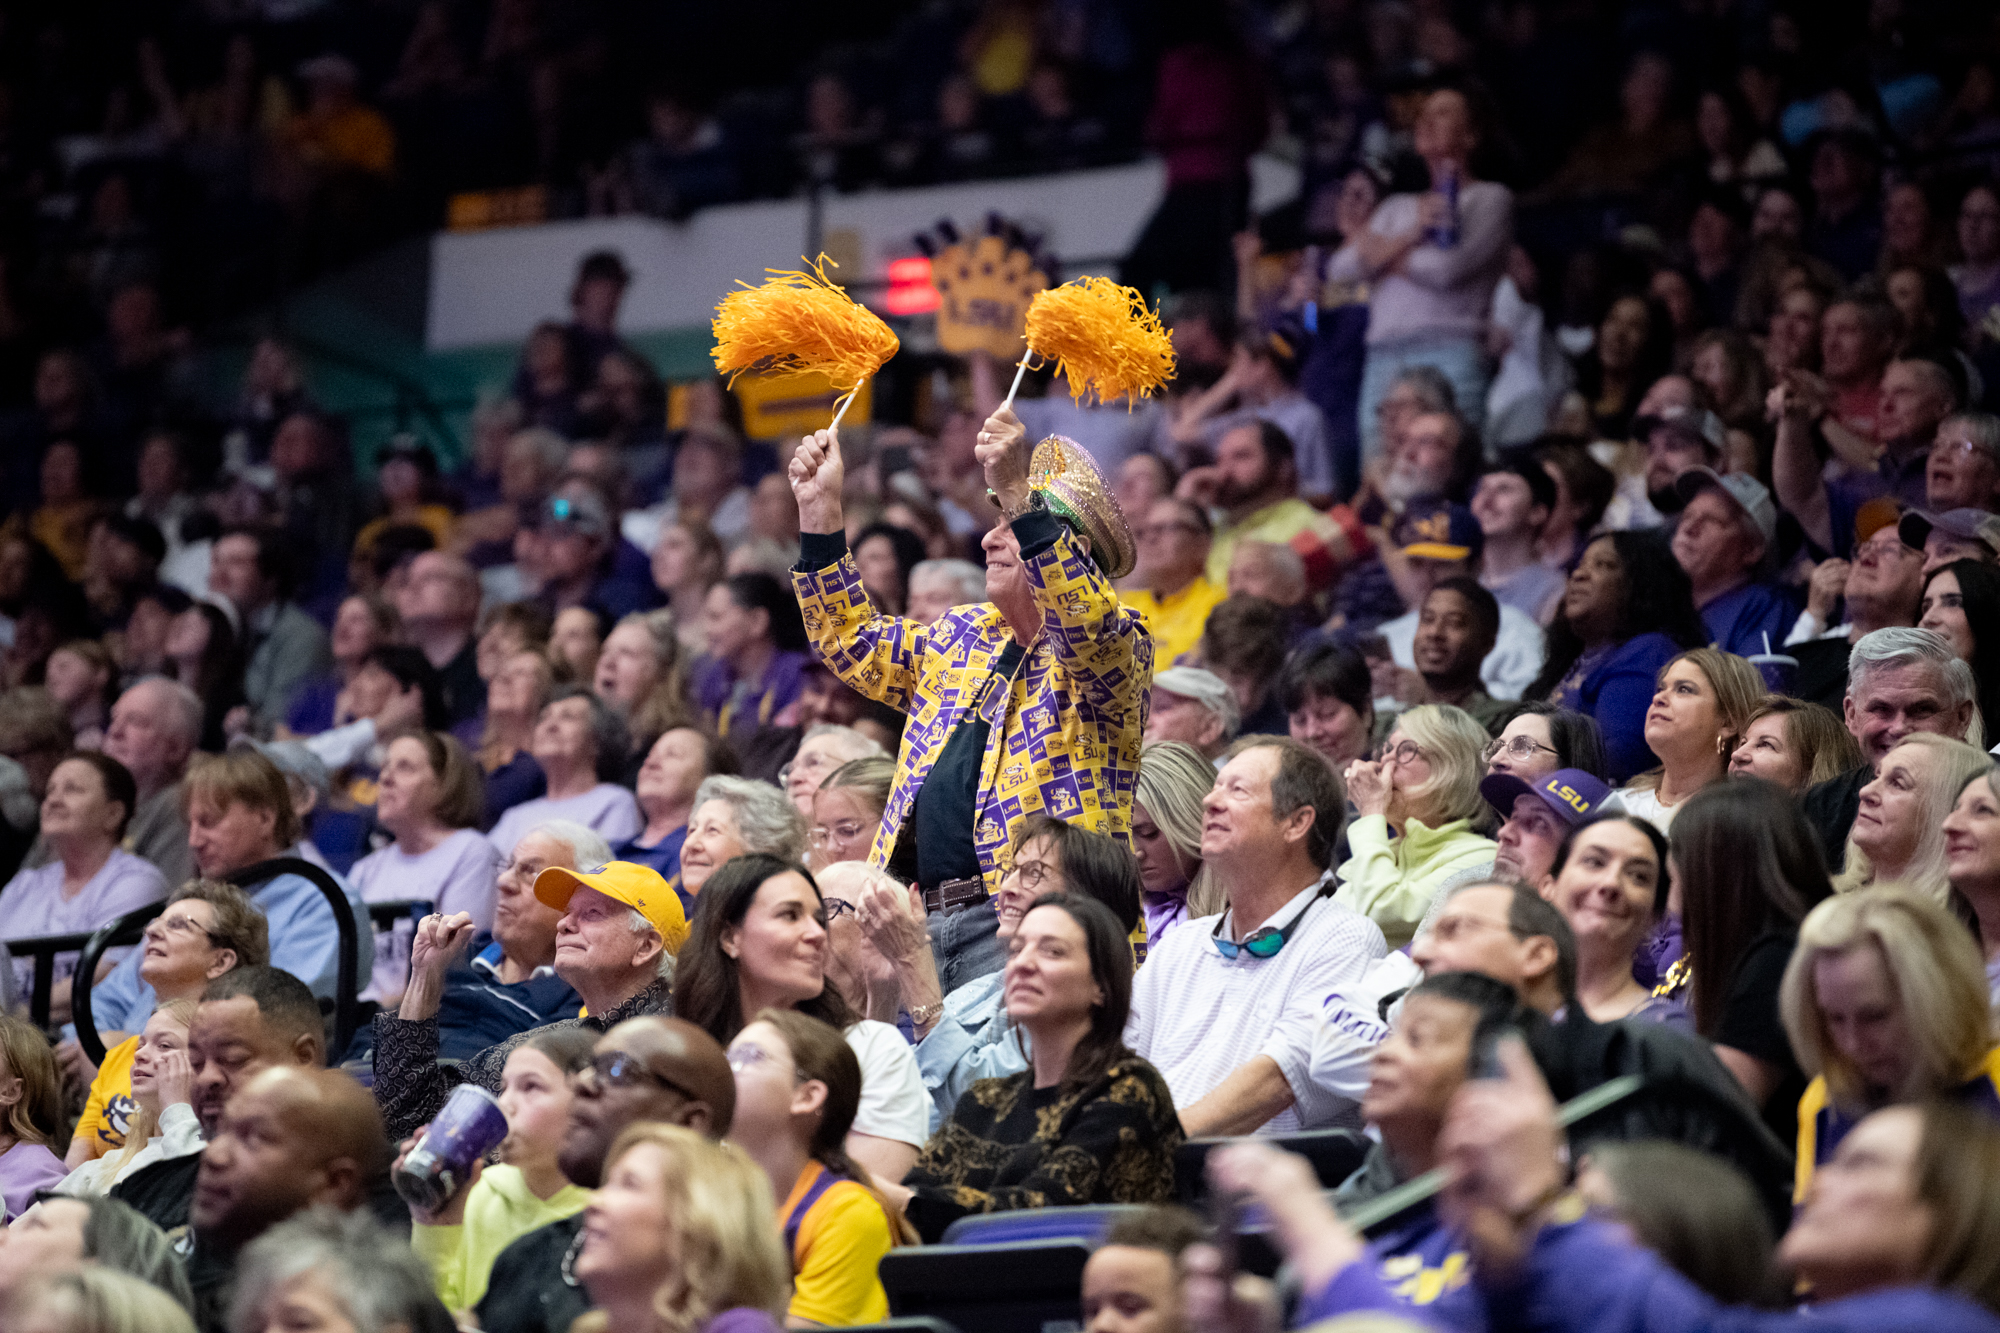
[{"x": 1564, "y": 559}]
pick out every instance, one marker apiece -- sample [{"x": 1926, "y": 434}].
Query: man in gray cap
[
  {"x": 1193, "y": 705},
  {"x": 1955, "y": 534},
  {"x": 1726, "y": 528}
]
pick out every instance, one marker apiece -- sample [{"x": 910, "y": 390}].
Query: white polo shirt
[{"x": 1198, "y": 1017}]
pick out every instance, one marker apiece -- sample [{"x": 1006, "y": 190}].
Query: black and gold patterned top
[{"x": 1009, "y": 1144}]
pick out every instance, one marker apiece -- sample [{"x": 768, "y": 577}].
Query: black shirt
[
  {"x": 1830, "y": 808},
  {"x": 1822, "y": 677},
  {"x": 527, "y": 1292},
  {"x": 947, "y": 805},
  {"x": 1750, "y": 1024}
]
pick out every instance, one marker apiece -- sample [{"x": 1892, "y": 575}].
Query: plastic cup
[
  {"x": 1780, "y": 672},
  {"x": 470, "y": 1125}
]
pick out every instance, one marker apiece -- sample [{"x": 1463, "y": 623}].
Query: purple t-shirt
[
  {"x": 610, "y": 810},
  {"x": 456, "y": 875},
  {"x": 26, "y": 1169},
  {"x": 33, "y": 904}
]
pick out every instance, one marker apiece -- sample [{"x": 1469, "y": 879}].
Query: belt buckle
[{"x": 954, "y": 894}]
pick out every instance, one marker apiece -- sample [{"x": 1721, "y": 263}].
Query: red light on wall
[{"x": 910, "y": 291}]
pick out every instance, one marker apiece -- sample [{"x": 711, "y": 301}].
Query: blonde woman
[
  {"x": 1898, "y": 834},
  {"x": 1701, "y": 705},
  {"x": 1415, "y": 811},
  {"x": 1885, "y": 1004},
  {"x": 682, "y": 1237},
  {"x": 165, "y": 1126},
  {"x": 1167, "y": 814}
]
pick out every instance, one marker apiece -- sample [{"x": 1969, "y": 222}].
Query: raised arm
[{"x": 1795, "y": 465}]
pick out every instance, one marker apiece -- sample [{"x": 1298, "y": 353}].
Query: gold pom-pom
[
  {"x": 797, "y": 323},
  {"x": 1102, "y": 338}
]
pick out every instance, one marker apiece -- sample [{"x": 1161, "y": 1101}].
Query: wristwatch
[{"x": 926, "y": 1014}]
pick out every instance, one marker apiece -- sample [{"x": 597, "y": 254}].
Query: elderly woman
[
  {"x": 1610, "y": 881},
  {"x": 91, "y": 880},
  {"x": 824, "y": 748},
  {"x": 1702, "y": 704},
  {"x": 1542, "y": 738},
  {"x": 681, "y": 1238},
  {"x": 1898, "y": 834},
  {"x": 206, "y": 929},
  {"x": 240, "y": 813},
  {"x": 580, "y": 744},
  {"x": 515, "y": 695},
  {"x": 1885, "y": 1002},
  {"x": 736, "y": 817},
  {"x": 330, "y": 1270},
  {"x": 847, "y": 810},
  {"x": 641, "y": 673},
  {"x": 1794, "y": 744},
  {"x": 971, "y": 1036},
  {"x": 676, "y": 766},
  {"x": 1087, "y": 1121},
  {"x": 759, "y": 941},
  {"x": 1167, "y": 815},
  {"x": 430, "y": 802},
  {"x": 1414, "y": 830}
]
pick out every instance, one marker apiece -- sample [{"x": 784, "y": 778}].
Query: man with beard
[
  {"x": 1678, "y": 440},
  {"x": 1254, "y": 483},
  {"x": 652, "y": 1068},
  {"x": 1422, "y": 476},
  {"x": 1917, "y": 397}
]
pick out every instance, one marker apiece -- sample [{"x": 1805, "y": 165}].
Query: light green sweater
[
  {"x": 500, "y": 1210},
  {"x": 1391, "y": 880}
]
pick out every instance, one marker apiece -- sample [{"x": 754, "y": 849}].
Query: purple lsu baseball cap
[{"x": 1572, "y": 793}]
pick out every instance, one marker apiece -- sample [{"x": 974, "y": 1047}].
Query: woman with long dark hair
[
  {"x": 1542, "y": 737},
  {"x": 1746, "y": 870},
  {"x": 759, "y": 941},
  {"x": 1627, "y": 611},
  {"x": 1088, "y": 1121},
  {"x": 1634, "y": 347},
  {"x": 1962, "y": 602}
]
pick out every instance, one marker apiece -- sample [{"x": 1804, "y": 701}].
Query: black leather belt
[{"x": 954, "y": 894}]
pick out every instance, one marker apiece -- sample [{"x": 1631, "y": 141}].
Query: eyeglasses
[
  {"x": 1406, "y": 753},
  {"x": 1961, "y": 447},
  {"x": 811, "y": 763},
  {"x": 836, "y": 907},
  {"x": 847, "y": 832},
  {"x": 1030, "y": 873},
  {"x": 1885, "y": 550},
  {"x": 745, "y": 1056},
  {"x": 1265, "y": 941},
  {"x": 161, "y": 926},
  {"x": 1520, "y": 749},
  {"x": 618, "y": 1069}
]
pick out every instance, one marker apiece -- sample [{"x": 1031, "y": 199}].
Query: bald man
[
  {"x": 440, "y": 609},
  {"x": 289, "y": 1139},
  {"x": 663, "y": 1069}
]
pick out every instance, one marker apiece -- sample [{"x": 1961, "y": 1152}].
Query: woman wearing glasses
[
  {"x": 826, "y": 747},
  {"x": 206, "y": 929},
  {"x": 1541, "y": 738},
  {"x": 1087, "y": 1121},
  {"x": 1700, "y": 708},
  {"x": 967, "y": 1035},
  {"x": 1415, "y": 809},
  {"x": 797, "y": 1088},
  {"x": 846, "y": 811},
  {"x": 759, "y": 941}
]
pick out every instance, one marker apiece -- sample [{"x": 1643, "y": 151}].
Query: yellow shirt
[
  {"x": 1177, "y": 619},
  {"x": 1323, "y": 543},
  {"x": 841, "y": 1241},
  {"x": 108, "y": 1113}
]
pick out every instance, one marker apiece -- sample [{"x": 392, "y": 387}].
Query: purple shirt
[
  {"x": 25, "y": 1170},
  {"x": 612, "y": 811},
  {"x": 33, "y": 904},
  {"x": 745, "y": 705}
]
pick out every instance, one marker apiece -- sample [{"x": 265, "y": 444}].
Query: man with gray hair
[
  {"x": 155, "y": 726},
  {"x": 936, "y": 586},
  {"x": 1899, "y": 681},
  {"x": 1196, "y": 706},
  {"x": 562, "y": 910}
]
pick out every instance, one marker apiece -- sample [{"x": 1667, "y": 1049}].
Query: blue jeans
[{"x": 1460, "y": 357}]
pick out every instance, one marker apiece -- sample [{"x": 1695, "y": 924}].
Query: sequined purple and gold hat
[{"x": 1075, "y": 491}]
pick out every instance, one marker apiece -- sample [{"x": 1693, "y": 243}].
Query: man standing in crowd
[
  {"x": 1727, "y": 526},
  {"x": 645, "y": 1069},
  {"x": 440, "y": 609},
  {"x": 284, "y": 646},
  {"x": 1226, "y": 1010},
  {"x": 1170, "y": 583},
  {"x": 1899, "y": 681},
  {"x": 1032, "y": 703}
]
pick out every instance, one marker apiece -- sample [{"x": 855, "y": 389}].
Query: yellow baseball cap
[{"x": 639, "y": 887}]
